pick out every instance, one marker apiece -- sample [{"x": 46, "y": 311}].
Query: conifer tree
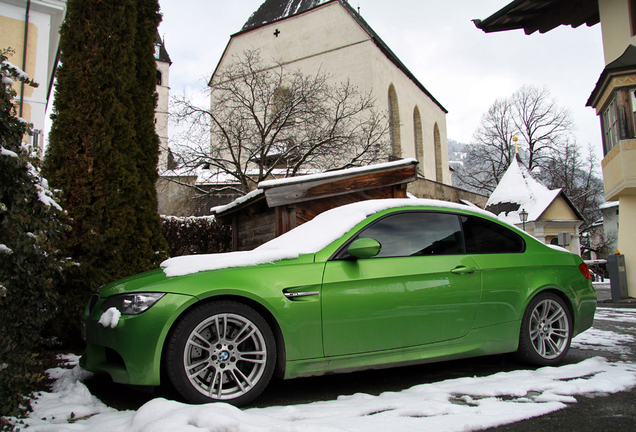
[
  {"x": 100, "y": 152},
  {"x": 145, "y": 96}
]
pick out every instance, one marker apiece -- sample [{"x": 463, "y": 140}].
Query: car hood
[
  {"x": 188, "y": 264},
  {"x": 142, "y": 281},
  {"x": 158, "y": 281}
]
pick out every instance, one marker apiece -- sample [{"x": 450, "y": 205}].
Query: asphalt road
[{"x": 613, "y": 413}]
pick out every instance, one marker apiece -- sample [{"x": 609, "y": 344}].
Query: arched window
[
  {"x": 438, "y": 155},
  {"x": 417, "y": 134},
  {"x": 394, "y": 123},
  {"x": 159, "y": 77}
]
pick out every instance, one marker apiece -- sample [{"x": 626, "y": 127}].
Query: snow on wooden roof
[{"x": 315, "y": 186}]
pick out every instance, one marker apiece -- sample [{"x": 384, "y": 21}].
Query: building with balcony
[{"x": 613, "y": 97}]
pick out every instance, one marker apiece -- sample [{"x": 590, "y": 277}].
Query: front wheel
[
  {"x": 221, "y": 351},
  {"x": 546, "y": 331}
]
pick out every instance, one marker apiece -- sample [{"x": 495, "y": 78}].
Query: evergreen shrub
[
  {"x": 196, "y": 235},
  {"x": 30, "y": 265}
]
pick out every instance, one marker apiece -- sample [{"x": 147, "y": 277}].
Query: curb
[{"x": 628, "y": 303}]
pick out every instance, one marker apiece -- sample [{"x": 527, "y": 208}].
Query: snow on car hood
[{"x": 307, "y": 238}]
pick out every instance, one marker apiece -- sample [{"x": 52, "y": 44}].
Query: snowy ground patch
[
  {"x": 603, "y": 340},
  {"x": 621, "y": 315},
  {"x": 462, "y": 404}
]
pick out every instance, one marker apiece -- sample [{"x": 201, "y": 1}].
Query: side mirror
[{"x": 364, "y": 248}]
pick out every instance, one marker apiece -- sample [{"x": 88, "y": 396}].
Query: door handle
[{"x": 463, "y": 270}]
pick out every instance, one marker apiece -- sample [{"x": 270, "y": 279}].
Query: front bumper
[{"x": 131, "y": 351}]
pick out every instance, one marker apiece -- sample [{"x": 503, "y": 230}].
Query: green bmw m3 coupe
[{"x": 379, "y": 283}]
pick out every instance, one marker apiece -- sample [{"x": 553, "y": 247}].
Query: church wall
[
  {"x": 322, "y": 30},
  {"x": 410, "y": 96},
  {"x": 329, "y": 39},
  {"x": 161, "y": 113}
]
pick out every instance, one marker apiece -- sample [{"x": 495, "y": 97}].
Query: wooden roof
[
  {"x": 330, "y": 184},
  {"x": 541, "y": 15}
]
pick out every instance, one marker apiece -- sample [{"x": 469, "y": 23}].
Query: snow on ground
[
  {"x": 463, "y": 404},
  {"x": 604, "y": 340},
  {"x": 621, "y": 315}
]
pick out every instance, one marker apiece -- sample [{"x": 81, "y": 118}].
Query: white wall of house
[
  {"x": 616, "y": 28},
  {"x": 45, "y": 18},
  {"x": 610, "y": 223}
]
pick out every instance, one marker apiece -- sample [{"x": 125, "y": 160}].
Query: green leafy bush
[{"x": 30, "y": 267}]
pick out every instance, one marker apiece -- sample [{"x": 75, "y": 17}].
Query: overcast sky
[{"x": 464, "y": 68}]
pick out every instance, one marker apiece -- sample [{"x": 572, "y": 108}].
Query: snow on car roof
[{"x": 307, "y": 238}]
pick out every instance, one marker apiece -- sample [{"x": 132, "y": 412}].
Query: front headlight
[{"x": 132, "y": 304}]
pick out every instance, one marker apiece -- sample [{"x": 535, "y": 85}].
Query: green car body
[{"x": 336, "y": 315}]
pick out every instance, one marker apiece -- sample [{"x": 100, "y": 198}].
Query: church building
[{"x": 331, "y": 36}]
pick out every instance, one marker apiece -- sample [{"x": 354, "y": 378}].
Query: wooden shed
[{"x": 278, "y": 206}]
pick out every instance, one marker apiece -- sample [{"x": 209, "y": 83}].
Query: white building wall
[
  {"x": 161, "y": 113},
  {"x": 615, "y": 28},
  {"x": 46, "y": 16}
]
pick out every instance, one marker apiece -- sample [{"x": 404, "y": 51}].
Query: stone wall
[{"x": 423, "y": 188}]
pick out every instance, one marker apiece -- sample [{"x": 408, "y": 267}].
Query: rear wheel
[
  {"x": 221, "y": 351},
  {"x": 546, "y": 331}
]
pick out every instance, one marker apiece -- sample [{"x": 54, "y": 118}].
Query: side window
[
  {"x": 485, "y": 237},
  {"x": 416, "y": 234}
]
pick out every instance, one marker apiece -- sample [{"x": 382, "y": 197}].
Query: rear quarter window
[{"x": 485, "y": 237}]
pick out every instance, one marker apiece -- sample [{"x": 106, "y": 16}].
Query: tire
[
  {"x": 221, "y": 351},
  {"x": 546, "y": 331}
]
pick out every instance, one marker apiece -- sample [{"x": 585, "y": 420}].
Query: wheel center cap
[
  {"x": 545, "y": 328},
  {"x": 224, "y": 355}
]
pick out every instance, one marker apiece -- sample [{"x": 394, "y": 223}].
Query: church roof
[
  {"x": 518, "y": 190},
  {"x": 161, "y": 53},
  {"x": 275, "y": 10}
]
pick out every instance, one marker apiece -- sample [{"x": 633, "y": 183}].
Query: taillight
[{"x": 585, "y": 270}]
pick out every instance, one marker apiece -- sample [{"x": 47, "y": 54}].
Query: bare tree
[
  {"x": 265, "y": 122},
  {"x": 577, "y": 175},
  {"x": 540, "y": 125},
  {"x": 487, "y": 161}
]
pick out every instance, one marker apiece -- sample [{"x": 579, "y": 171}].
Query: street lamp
[{"x": 523, "y": 215}]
